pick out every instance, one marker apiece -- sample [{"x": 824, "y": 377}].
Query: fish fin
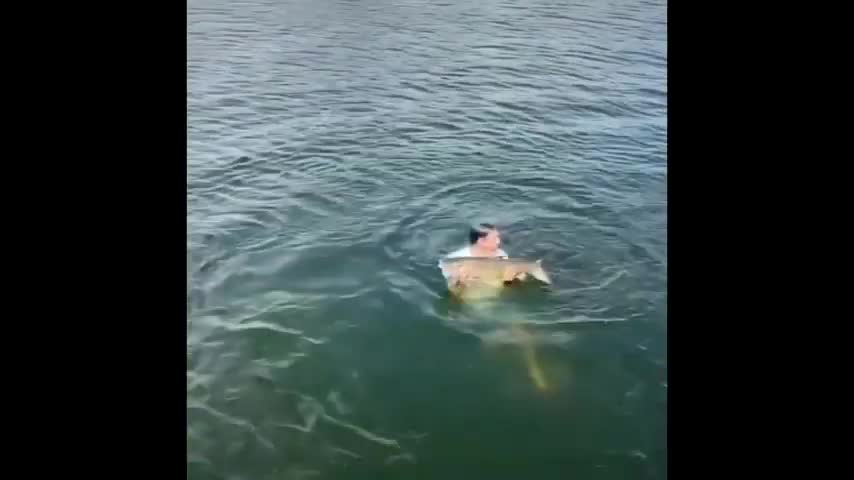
[{"x": 540, "y": 274}]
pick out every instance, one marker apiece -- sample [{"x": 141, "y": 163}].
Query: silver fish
[{"x": 491, "y": 271}]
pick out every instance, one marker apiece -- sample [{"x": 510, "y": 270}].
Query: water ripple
[{"x": 336, "y": 149}]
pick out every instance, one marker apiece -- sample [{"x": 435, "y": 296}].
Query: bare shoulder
[{"x": 462, "y": 252}]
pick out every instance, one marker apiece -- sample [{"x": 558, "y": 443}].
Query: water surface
[{"x": 336, "y": 150}]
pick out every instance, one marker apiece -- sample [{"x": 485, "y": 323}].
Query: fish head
[
  {"x": 456, "y": 268},
  {"x": 449, "y": 268}
]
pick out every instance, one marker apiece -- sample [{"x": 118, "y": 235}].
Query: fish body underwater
[{"x": 535, "y": 371}]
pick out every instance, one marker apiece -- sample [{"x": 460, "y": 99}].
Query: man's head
[{"x": 485, "y": 236}]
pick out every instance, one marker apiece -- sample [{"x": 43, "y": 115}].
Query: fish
[
  {"x": 483, "y": 277},
  {"x": 491, "y": 271}
]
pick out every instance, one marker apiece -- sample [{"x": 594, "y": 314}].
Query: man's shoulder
[
  {"x": 466, "y": 252},
  {"x": 462, "y": 252}
]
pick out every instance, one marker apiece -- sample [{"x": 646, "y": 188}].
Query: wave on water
[{"x": 336, "y": 150}]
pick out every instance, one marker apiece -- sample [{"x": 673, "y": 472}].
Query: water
[{"x": 336, "y": 150}]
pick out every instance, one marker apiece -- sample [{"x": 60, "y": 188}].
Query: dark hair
[{"x": 480, "y": 231}]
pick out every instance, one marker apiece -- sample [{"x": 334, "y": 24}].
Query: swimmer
[{"x": 484, "y": 241}]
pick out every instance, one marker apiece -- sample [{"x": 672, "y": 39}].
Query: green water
[{"x": 336, "y": 150}]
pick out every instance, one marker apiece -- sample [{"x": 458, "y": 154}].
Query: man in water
[{"x": 484, "y": 241}]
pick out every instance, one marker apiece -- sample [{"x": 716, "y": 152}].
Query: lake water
[{"x": 336, "y": 150}]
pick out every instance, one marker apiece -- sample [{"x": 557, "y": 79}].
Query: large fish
[
  {"x": 483, "y": 277},
  {"x": 489, "y": 271}
]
